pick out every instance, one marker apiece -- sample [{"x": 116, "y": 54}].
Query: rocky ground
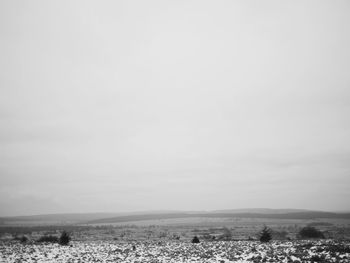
[{"x": 232, "y": 251}]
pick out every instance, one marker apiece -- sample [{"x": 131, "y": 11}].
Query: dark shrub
[
  {"x": 195, "y": 239},
  {"x": 265, "y": 235},
  {"x": 310, "y": 232},
  {"x": 23, "y": 239},
  {"x": 64, "y": 239},
  {"x": 48, "y": 239}
]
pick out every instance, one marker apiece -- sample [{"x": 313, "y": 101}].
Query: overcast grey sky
[{"x": 191, "y": 105}]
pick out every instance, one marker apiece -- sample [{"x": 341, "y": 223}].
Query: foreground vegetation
[
  {"x": 177, "y": 251},
  {"x": 197, "y": 240}
]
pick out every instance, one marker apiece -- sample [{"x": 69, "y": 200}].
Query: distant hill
[
  {"x": 262, "y": 211},
  {"x": 56, "y": 218},
  {"x": 293, "y": 215},
  {"x": 68, "y": 218},
  {"x": 109, "y": 218}
]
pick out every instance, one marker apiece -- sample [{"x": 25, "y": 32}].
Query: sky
[{"x": 117, "y": 106}]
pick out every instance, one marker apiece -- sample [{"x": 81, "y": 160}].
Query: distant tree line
[{"x": 63, "y": 239}]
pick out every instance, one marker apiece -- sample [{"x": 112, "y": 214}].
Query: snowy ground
[{"x": 233, "y": 251}]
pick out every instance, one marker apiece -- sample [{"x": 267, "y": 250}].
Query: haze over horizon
[
  {"x": 174, "y": 105},
  {"x": 238, "y": 211}
]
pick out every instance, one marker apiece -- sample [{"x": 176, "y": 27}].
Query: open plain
[{"x": 219, "y": 251}]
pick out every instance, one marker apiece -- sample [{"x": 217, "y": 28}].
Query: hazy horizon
[
  {"x": 174, "y": 105},
  {"x": 145, "y": 212}
]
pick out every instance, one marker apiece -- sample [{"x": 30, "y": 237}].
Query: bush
[
  {"x": 265, "y": 235},
  {"x": 64, "y": 239},
  {"x": 22, "y": 239},
  {"x": 48, "y": 239},
  {"x": 195, "y": 239},
  {"x": 310, "y": 232}
]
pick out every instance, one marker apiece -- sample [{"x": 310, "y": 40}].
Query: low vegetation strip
[{"x": 221, "y": 252}]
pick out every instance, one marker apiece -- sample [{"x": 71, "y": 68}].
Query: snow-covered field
[{"x": 233, "y": 251}]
